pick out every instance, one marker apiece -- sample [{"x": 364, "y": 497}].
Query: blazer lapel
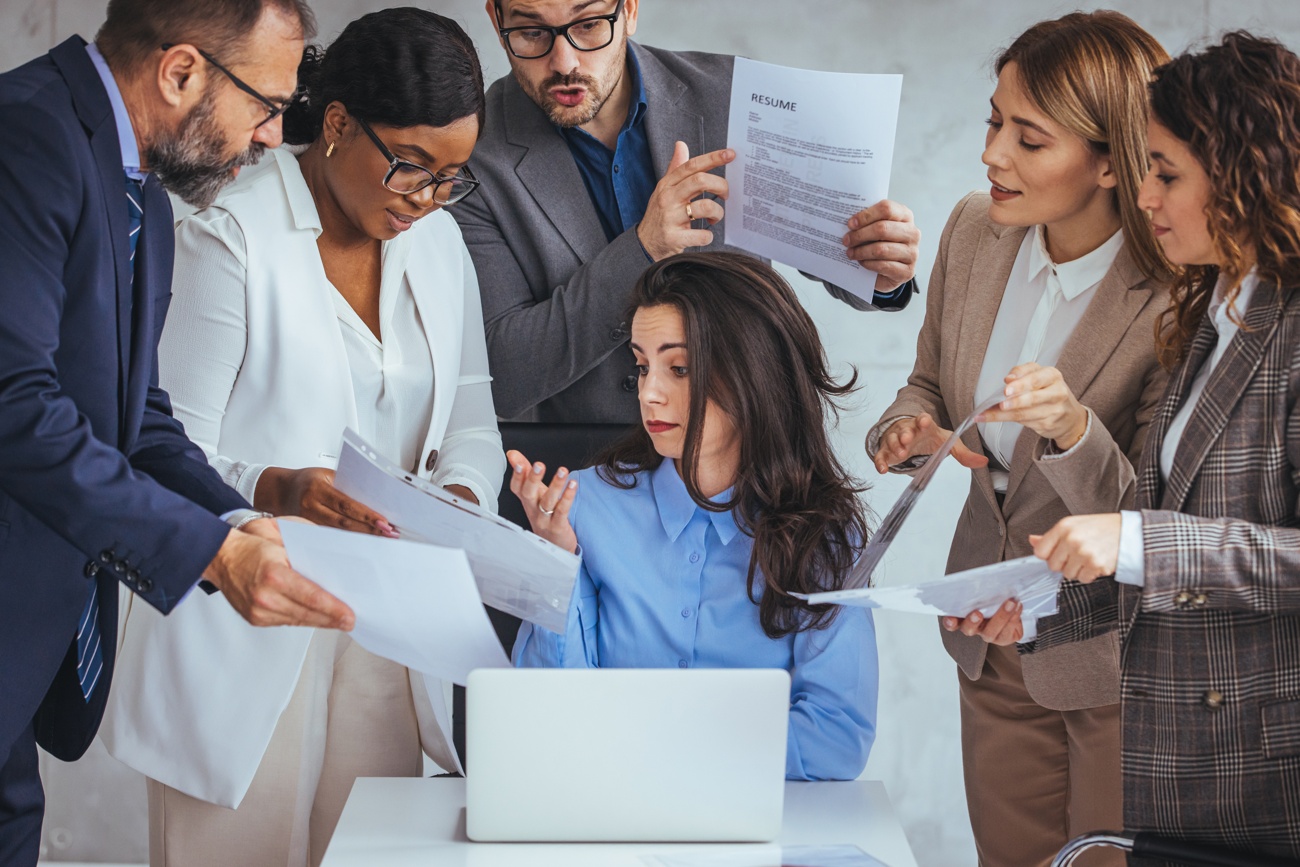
[
  {"x": 1223, "y": 390},
  {"x": 548, "y": 172},
  {"x": 96, "y": 115},
  {"x": 669, "y": 116},
  {"x": 995, "y": 256},
  {"x": 1118, "y": 300}
]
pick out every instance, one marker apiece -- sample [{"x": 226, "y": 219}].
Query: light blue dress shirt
[
  {"x": 662, "y": 585},
  {"x": 125, "y": 131}
]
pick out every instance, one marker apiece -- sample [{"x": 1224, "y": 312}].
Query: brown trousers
[
  {"x": 351, "y": 715},
  {"x": 1035, "y": 777}
]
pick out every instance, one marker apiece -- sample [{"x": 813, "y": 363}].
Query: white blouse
[
  {"x": 1042, "y": 305},
  {"x": 203, "y": 348}
]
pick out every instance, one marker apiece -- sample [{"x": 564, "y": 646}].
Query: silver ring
[{"x": 546, "y": 512}]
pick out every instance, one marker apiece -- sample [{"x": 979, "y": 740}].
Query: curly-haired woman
[{"x": 1209, "y": 563}]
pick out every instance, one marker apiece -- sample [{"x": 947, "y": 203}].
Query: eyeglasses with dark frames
[
  {"x": 406, "y": 178},
  {"x": 273, "y": 109},
  {"x": 536, "y": 40}
]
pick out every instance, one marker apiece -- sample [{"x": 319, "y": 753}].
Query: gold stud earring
[{"x": 329, "y": 151}]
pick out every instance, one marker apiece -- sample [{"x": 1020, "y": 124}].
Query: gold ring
[{"x": 690, "y": 215}]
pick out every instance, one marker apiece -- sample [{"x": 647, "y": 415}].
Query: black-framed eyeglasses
[
  {"x": 273, "y": 109},
  {"x": 405, "y": 178},
  {"x": 536, "y": 40}
]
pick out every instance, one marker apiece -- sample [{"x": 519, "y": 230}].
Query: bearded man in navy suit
[{"x": 98, "y": 483}]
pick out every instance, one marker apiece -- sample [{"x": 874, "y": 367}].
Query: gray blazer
[
  {"x": 1211, "y": 651},
  {"x": 555, "y": 290}
]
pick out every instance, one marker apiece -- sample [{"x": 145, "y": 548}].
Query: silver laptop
[{"x": 626, "y": 755}]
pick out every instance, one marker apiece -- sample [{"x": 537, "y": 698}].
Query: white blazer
[{"x": 196, "y": 695}]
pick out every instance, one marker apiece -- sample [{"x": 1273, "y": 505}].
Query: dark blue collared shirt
[{"x": 620, "y": 181}]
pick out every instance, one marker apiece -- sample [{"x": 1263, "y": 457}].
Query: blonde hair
[{"x": 1089, "y": 71}]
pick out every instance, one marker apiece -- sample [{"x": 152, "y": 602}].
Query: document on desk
[
  {"x": 812, "y": 149},
  {"x": 1027, "y": 579},
  {"x": 415, "y": 604},
  {"x": 517, "y": 572}
]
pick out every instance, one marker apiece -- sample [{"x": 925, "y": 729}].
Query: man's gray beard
[{"x": 190, "y": 163}]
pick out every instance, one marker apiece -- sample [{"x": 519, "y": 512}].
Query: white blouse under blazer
[{"x": 197, "y": 694}]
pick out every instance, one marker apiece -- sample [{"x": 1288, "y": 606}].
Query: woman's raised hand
[
  {"x": 909, "y": 437},
  {"x": 1039, "y": 399},
  {"x": 547, "y": 506}
]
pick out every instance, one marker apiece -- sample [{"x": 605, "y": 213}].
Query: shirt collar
[
  {"x": 1220, "y": 313},
  {"x": 125, "y": 131},
  {"x": 1080, "y": 275},
  {"x": 676, "y": 508}
]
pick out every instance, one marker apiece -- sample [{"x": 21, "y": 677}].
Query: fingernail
[
  {"x": 519, "y": 468},
  {"x": 853, "y": 222},
  {"x": 573, "y": 484},
  {"x": 561, "y": 473},
  {"x": 537, "y": 468},
  {"x": 975, "y": 618},
  {"x": 1009, "y": 606}
]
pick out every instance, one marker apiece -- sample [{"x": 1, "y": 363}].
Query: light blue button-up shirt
[
  {"x": 125, "y": 131},
  {"x": 662, "y": 585}
]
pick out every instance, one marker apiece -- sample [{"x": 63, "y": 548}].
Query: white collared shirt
[
  {"x": 1043, "y": 303},
  {"x": 1131, "y": 565}
]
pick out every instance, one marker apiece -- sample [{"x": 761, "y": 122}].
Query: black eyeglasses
[
  {"x": 273, "y": 108},
  {"x": 405, "y": 178},
  {"x": 536, "y": 40}
]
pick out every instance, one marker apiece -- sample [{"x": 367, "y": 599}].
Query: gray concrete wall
[{"x": 944, "y": 48}]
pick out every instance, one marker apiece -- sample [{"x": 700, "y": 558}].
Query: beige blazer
[{"x": 1110, "y": 365}]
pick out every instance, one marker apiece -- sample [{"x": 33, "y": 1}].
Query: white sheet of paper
[
  {"x": 812, "y": 149},
  {"x": 1027, "y": 578},
  {"x": 517, "y": 572},
  {"x": 415, "y": 604}
]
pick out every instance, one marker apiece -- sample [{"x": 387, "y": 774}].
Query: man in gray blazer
[{"x": 575, "y": 203}]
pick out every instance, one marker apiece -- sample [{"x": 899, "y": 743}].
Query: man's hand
[
  {"x": 885, "y": 239},
  {"x": 1082, "y": 547},
  {"x": 909, "y": 437},
  {"x": 255, "y": 576},
  {"x": 666, "y": 229}
]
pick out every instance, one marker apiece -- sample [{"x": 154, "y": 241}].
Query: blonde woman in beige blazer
[{"x": 1046, "y": 289}]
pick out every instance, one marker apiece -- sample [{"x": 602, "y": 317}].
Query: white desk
[{"x": 421, "y": 822}]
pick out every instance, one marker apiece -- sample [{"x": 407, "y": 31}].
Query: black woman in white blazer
[{"x": 321, "y": 291}]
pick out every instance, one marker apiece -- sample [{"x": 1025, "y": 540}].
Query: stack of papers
[
  {"x": 1027, "y": 579},
  {"x": 517, "y": 572}
]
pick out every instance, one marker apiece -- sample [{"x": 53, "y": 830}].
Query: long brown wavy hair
[
  {"x": 1088, "y": 71},
  {"x": 754, "y": 351},
  {"x": 1236, "y": 106}
]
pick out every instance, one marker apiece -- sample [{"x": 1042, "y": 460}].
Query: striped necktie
[{"x": 90, "y": 651}]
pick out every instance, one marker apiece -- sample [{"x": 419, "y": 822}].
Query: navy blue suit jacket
[{"x": 97, "y": 480}]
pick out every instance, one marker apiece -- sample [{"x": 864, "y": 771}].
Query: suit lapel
[
  {"x": 995, "y": 256},
  {"x": 1224, "y": 389},
  {"x": 550, "y": 175},
  {"x": 1116, "y": 303},
  {"x": 668, "y": 118},
  {"x": 96, "y": 115}
]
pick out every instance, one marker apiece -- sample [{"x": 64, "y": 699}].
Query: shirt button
[
  {"x": 686, "y": 612},
  {"x": 615, "y": 168},
  {"x": 681, "y": 663},
  {"x": 1213, "y": 699},
  {"x": 1183, "y": 599},
  {"x": 695, "y": 558}
]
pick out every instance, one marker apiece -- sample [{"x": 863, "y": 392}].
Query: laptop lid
[{"x": 626, "y": 755}]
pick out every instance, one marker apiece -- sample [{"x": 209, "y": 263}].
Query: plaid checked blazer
[
  {"x": 1110, "y": 365},
  {"x": 1211, "y": 643}
]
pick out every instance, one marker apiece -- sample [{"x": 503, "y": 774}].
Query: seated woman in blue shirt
[{"x": 696, "y": 527}]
